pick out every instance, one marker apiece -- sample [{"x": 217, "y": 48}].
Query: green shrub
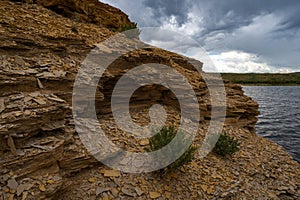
[
  {"x": 226, "y": 145},
  {"x": 135, "y": 33},
  {"x": 128, "y": 27},
  {"x": 163, "y": 138}
]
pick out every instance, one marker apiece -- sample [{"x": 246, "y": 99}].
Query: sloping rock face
[
  {"x": 89, "y": 11},
  {"x": 42, "y": 156}
]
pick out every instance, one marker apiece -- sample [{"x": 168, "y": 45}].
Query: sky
[{"x": 241, "y": 36}]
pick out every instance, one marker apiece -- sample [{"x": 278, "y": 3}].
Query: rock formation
[
  {"x": 88, "y": 11},
  {"x": 42, "y": 156}
]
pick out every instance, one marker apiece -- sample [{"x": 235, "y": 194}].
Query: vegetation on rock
[
  {"x": 132, "y": 30},
  {"x": 163, "y": 138},
  {"x": 74, "y": 29},
  {"x": 127, "y": 27},
  {"x": 226, "y": 145}
]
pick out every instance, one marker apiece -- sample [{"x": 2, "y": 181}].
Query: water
[{"x": 279, "y": 118}]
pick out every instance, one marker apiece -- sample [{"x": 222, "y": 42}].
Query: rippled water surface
[{"x": 279, "y": 118}]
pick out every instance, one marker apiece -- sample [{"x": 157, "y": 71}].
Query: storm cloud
[{"x": 267, "y": 31}]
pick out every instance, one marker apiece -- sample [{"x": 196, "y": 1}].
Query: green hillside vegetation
[{"x": 263, "y": 79}]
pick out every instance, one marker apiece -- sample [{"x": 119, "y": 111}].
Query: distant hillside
[{"x": 263, "y": 79}]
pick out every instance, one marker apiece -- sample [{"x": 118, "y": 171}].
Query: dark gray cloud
[
  {"x": 268, "y": 29},
  {"x": 164, "y": 9},
  {"x": 231, "y": 14},
  {"x": 223, "y": 15},
  {"x": 217, "y": 15}
]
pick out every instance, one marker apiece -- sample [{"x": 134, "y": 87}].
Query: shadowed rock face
[{"x": 40, "y": 56}]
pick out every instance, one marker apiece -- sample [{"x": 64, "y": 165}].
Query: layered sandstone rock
[
  {"x": 90, "y": 11},
  {"x": 40, "y": 149}
]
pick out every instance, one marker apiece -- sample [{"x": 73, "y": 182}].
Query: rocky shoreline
[{"x": 42, "y": 156}]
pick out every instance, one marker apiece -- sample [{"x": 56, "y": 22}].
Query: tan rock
[
  {"x": 2, "y": 106},
  {"x": 51, "y": 182},
  {"x": 40, "y": 85},
  {"x": 42, "y": 187},
  {"x": 168, "y": 195},
  {"x": 144, "y": 142},
  {"x": 39, "y": 101},
  {"x": 24, "y": 195},
  {"x": 154, "y": 195},
  {"x": 92, "y": 180},
  {"x": 114, "y": 192},
  {"x": 11, "y": 196},
  {"x": 89, "y": 11},
  {"x": 111, "y": 173}
]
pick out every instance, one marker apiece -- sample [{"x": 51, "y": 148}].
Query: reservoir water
[{"x": 279, "y": 118}]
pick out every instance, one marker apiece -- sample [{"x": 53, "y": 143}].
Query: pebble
[
  {"x": 100, "y": 190},
  {"x": 11, "y": 197},
  {"x": 24, "y": 195},
  {"x": 168, "y": 195},
  {"x": 114, "y": 192},
  {"x": 128, "y": 192},
  {"x": 4, "y": 178},
  {"x": 154, "y": 195},
  {"x": 21, "y": 189},
  {"x": 92, "y": 180},
  {"x": 139, "y": 191},
  {"x": 12, "y": 184},
  {"x": 42, "y": 187},
  {"x": 111, "y": 173}
]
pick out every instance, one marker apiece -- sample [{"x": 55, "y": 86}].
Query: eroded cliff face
[
  {"x": 41, "y": 153},
  {"x": 88, "y": 11}
]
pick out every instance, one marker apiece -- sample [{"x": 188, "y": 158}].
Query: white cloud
[
  {"x": 239, "y": 36},
  {"x": 227, "y": 61},
  {"x": 167, "y": 39},
  {"x": 233, "y": 48},
  {"x": 263, "y": 39},
  {"x": 261, "y": 25},
  {"x": 241, "y": 62}
]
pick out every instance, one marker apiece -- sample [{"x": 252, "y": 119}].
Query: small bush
[
  {"x": 226, "y": 145},
  {"x": 135, "y": 33},
  {"x": 74, "y": 29},
  {"x": 128, "y": 27},
  {"x": 163, "y": 138},
  {"x": 113, "y": 30}
]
